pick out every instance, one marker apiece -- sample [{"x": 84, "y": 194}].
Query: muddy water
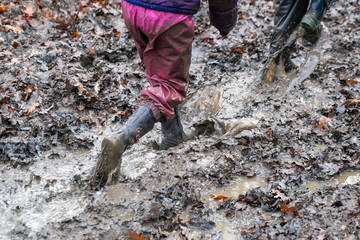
[
  {"x": 49, "y": 198},
  {"x": 307, "y": 66},
  {"x": 47, "y": 192},
  {"x": 240, "y": 186},
  {"x": 346, "y": 178},
  {"x": 230, "y": 227},
  {"x": 43, "y": 192}
]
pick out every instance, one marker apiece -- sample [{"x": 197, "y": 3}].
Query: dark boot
[
  {"x": 112, "y": 148},
  {"x": 286, "y": 58},
  {"x": 287, "y": 17},
  {"x": 172, "y": 131},
  {"x": 312, "y": 19}
]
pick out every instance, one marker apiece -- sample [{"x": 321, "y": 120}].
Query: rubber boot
[
  {"x": 172, "y": 132},
  {"x": 286, "y": 58},
  {"x": 112, "y": 148},
  {"x": 312, "y": 19},
  {"x": 287, "y": 17}
]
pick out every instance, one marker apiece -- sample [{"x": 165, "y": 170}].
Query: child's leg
[
  {"x": 130, "y": 14},
  {"x": 312, "y": 19},
  {"x": 288, "y": 16},
  {"x": 164, "y": 42},
  {"x": 167, "y": 64}
]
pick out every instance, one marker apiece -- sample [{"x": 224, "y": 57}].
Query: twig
[{"x": 40, "y": 4}]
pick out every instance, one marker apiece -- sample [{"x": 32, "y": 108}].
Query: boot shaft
[
  {"x": 172, "y": 131},
  {"x": 140, "y": 123}
]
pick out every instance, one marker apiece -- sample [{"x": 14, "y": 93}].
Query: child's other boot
[{"x": 172, "y": 132}]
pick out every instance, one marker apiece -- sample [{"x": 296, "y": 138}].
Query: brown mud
[{"x": 273, "y": 160}]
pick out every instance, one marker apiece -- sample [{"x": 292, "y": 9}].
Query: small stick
[{"x": 40, "y": 4}]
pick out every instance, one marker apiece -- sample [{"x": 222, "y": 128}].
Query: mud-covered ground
[{"x": 269, "y": 160}]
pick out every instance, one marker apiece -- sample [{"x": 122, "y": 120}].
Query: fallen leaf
[
  {"x": 28, "y": 91},
  {"x": 283, "y": 207},
  {"x": 353, "y": 100},
  {"x": 15, "y": 60},
  {"x": 3, "y": 9},
  {"x": 228, "y": 155},
  {"x": 49, "y": 15},
  {"x": 15, "y": 44},
  {"x": 135, "y": 236},
  {"x": 92, "y": 51},
  {"x": 280, "y": 195},
  {"x": 235, "y": 126},
  {"x": 40, "y": 4},
  {"x": 15, "y": 29},
  {"x": 351, "y": 81},
  {"x": 4, "y": 166},
  {"x": 79, "y": 86},
  {"x": 29, "y": 10},
  {"x": 81, "y": 106},
  {"x": 220, "y": 197},
  {"x": 237, "y": 49},
  {"x": 96, "y": 87},
  {"x": 123, "y": 113},
  {"x": 323, "y": 123},
  {"x": 32, "y": 107}
]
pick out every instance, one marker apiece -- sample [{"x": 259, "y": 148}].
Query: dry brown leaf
[
  {"x": 32, "y": 107},
  {"x": 15, "y": 44},
  {"x": 219, "y": 197},
  {"x": 40, "y": 4},
  {"x": 28, "y": 91},
  {"x": 280, "y": 195},
  {"x": 3, "y": 8},
  {"x": 15, "y": 60},
  {"x": 29, "y": 10},
  {"x": 96, "y": 87},
  {"x": 79, "y": 86},
  {"x": 7, "y": 53},
  {"x": 47, "y": 13},
  {"x": 324, "y": 120},
  {"x": 135, "y": 236},
  {"x": 353, "y": 100},
  {"x": 4, "y": 166},
  {"x": 15, "y": 29}
]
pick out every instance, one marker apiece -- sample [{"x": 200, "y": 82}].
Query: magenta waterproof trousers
[{"x": 164, "y": 43}]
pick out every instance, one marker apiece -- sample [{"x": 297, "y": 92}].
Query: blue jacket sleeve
[{"x": 223, "y": 15}]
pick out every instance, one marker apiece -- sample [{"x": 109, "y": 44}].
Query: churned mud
[{"x": 265, "y": 160}]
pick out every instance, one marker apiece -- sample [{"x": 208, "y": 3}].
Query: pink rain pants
[{"x": 164, "y": 43}]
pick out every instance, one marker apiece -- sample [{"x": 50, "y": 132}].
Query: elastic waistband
[{"x": 161, "y": 8}]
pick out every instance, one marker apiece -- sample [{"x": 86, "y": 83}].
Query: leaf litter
[{"x": 70, "y": 73}]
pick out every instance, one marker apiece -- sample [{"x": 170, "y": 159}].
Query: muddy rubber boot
[
  {"x": 311, "y": 21},
  {"x": 287, "y": 17},
  {"x": 286, "y": 58},
  {"x": 112, "y": 148},
  {"x": 172, "y": 132}
]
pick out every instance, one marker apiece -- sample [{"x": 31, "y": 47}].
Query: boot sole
[{"x": 110, "y": 160}]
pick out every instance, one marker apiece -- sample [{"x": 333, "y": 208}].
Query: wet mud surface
[{"x": 267, "y": 160}]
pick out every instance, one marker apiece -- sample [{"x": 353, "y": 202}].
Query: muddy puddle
[
  {"x": 43, "y": 192},
  {"x": 346, "y": 178},
  {"x": 254, "y": 148}
]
